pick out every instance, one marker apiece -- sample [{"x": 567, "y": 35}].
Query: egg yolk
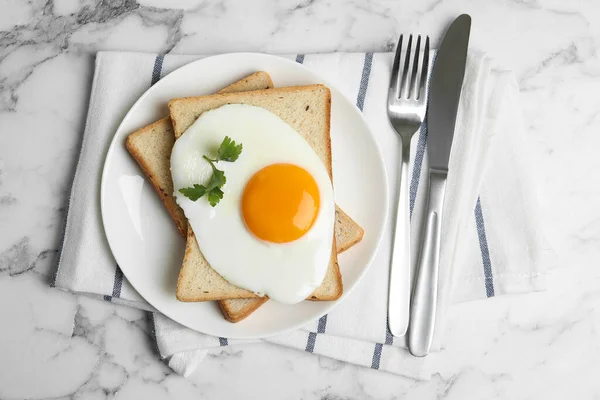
[{"x": 280, "y": 203}]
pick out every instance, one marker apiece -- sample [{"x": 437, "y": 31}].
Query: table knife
[{"x": 445, "y": 87}]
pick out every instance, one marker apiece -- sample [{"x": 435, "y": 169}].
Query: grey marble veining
[{"x": 59, "y": 345}]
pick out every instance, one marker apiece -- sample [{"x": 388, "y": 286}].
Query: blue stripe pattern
[
  {"x": 310, "y": 343},
  {"x": 223, "y": 341},
  {"x": 376, "y": 356},
  {"x": 312, "y": 337},
  {"x": 485, "y": 252},
  {"x": 322, "y": 324},
  {"x": 117, "y": 285},
  {"x": 417, "y": 166},
  {"x": 364, "y": 81},
  {"x": 157, "y": 70},
  {"x": 389, "y": 338},
  {"x": 118, "y": 282}
]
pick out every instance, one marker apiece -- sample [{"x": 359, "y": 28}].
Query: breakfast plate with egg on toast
[{"x": 217, "y": 196}]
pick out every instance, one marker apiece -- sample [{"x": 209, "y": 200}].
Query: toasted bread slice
[
  {"x": 306, "y": 109},
  {"x": 347, "y": 234},
  {"x": 151, "y": 147},
  {"x": 235, "y": 310}
]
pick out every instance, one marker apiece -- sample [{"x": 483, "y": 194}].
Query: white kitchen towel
[{"x": 491, "y": 241}]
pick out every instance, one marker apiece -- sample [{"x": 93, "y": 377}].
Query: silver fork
[{"x": 407, "y": 103}]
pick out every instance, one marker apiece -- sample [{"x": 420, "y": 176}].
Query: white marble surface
[{"x": 59, "y": 345}]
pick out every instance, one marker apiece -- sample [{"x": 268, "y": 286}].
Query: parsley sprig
[{"x": 228, "y": 151}]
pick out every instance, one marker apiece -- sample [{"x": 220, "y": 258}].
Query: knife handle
[{"x": 423, "y": 308}]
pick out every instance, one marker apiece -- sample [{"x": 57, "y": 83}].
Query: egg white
[{"x": 288, "y": 272}]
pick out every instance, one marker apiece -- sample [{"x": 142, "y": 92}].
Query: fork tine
[
  {"x": 394, "y": 83},
  {"x": 414, "y": 80},
  {"x": 404, "y": 88},
  {"x": 424, "y": 69}
]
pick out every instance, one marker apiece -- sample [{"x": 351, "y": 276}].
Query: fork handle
[
  {"x": 399, "y": 289},
  {"x": 424, "y": 302}
]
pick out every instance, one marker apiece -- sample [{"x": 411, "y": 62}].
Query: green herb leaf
[
  {"x": 193, "y": 193},
  {"x": 229, "y": 150},
  {"x": 214, "y": 196}
]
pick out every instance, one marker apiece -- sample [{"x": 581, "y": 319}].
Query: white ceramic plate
[{"x": 145, "y": 242}]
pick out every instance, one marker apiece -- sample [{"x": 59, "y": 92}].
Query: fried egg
[{"x": 272, "y": 231}]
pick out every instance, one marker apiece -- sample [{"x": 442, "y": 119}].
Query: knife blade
[
  {"x": 444, "y": 96},
  {"x": 446, "y": 82}
]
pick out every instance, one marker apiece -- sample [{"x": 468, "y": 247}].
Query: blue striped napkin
[{"x": 491, "y": 242}]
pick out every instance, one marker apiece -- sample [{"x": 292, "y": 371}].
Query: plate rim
[{"x": 380, "y": 161}]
